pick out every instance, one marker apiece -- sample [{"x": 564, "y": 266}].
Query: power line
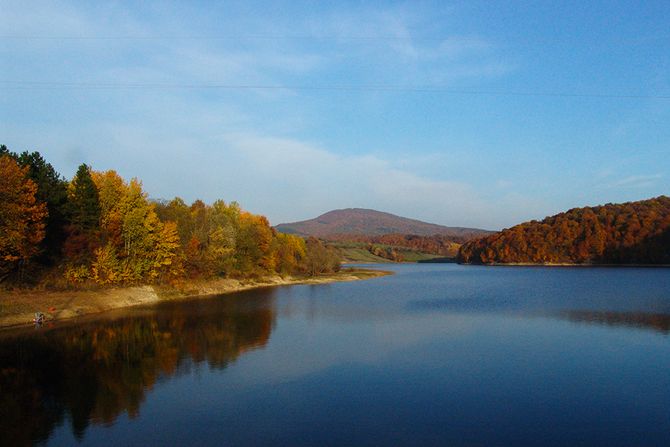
[
  {"x": 314, "y": 37},
  {"x": 57, "y": 85},
  {"x": 233, "y": 37}
]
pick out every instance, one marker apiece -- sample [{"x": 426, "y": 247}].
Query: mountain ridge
[{"x": 369, "y": 222}]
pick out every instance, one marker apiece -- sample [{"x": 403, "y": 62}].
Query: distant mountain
[
  {"x": 338, "y": 224},
  {"x": 627, "y": 233}
]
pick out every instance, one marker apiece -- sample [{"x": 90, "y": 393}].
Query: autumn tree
[
  {"x": 320, "y": 259},
  {"x": 52, "y": 191},
  {"x": 290, "y": 252},
  {"x": 167, "y": 256},
  {"x": 111, "y": 191},
  {"x": 222, "y": 240},
  {"x": 21, "y": 217},
  {"x": 141, "y": 232},
  {"x": 177, "y": 211},
  {"x": 208, "y": 234},
  {"x": 254, "y": 243}
]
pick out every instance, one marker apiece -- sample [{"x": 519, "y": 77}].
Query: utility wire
[
  {"x": 235, "y": 37},
  {"x": 49, "y": 85}
]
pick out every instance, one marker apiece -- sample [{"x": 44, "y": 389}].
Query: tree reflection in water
[
  {"x": 657, "y": 322},
  {"x": 95, "y": 371}
]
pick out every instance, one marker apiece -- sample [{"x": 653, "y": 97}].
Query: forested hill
[
  {"x": 358, "y": 221},
  {"x": 627, "y": 233}
]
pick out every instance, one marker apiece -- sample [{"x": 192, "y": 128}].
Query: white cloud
[
  {"x": 314, "y": 180},
  {"x": 309, "y": 174}
]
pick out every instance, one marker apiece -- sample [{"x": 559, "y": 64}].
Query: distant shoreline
[
  {"x": 17, "y": 308},
  {"x": 564, "y": 264}
]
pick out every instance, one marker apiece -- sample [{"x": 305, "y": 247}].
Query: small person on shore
[{"x": 39, "y": 318}]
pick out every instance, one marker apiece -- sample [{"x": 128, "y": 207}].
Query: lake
[{"x": 437, "y": 354}]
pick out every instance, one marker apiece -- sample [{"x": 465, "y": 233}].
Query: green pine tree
[
  {"x": 51, "y": 190},
  {"x": 84, "y": 203}
]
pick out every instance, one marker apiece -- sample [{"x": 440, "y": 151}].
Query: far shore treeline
[
  {"x": 100, "y": 229},
  {"x": 627, "y": 233}
]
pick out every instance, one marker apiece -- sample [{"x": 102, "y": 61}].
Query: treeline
[
  {"x": 628, "y": 233},
  {"x": 437, "y": 244},
  {"x": 99, "y": 228}
]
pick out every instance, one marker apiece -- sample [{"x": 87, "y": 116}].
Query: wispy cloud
[
  {"x": 636, "y": 181},
  {"x": 310, "y": 173},
  {"x": 314, "y": 180},
  {"x": 248, "y": 145}
]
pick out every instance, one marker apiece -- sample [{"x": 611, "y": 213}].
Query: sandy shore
[{"x": 18, "y": 308}]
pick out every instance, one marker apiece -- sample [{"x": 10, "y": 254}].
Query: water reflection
[
  {"x": 642, "y": 320},
  {"x": 656, "y": 322},
  {"x": 95, "y": 371},
  {"x": 434, "y": 355}
]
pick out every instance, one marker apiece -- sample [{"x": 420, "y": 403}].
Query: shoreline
[
  {"x": 17, "y": 308},
  {"x": 563, "y": 264}
]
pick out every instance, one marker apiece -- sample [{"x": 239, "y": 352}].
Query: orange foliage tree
[{"x": 22, "y": 218}]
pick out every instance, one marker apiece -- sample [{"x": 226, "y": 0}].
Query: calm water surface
[{"x": 434, "y": 355}]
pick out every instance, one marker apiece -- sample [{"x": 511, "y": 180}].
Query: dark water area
[{"x": 437, "y": 354}]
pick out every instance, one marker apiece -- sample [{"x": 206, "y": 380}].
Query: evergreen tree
[
  {"x": 52, "y": 191},
  {"x": 84, "y": 203}
]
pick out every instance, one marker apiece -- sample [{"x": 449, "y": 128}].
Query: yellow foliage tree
[
  {"x": 289, "y": 251},
  {"x": 105, "y": 267},
  {"x": 168, "y": 260},
  {"x": 111, "y": 190},
  {"x": 254, "y": 244}
]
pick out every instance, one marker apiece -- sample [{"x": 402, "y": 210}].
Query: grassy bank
[
  {"x": 357, "y": 252},
  {"x": 18, "y": 307}
]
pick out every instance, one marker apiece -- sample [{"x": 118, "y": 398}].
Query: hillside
[
  {"x": 366, "y": 252},
  {"x": 628, "y": 233},
  {"x": 357, "y": 221}
]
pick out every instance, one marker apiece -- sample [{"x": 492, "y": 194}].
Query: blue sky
[{"x": 467, "y": 113}]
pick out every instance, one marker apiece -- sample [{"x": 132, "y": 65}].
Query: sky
[{"x": 470, "y": 113}]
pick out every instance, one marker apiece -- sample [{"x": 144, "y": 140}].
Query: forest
[
  {"x": 100, "y": 229},
  {"x": 627, "y": 233}
]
